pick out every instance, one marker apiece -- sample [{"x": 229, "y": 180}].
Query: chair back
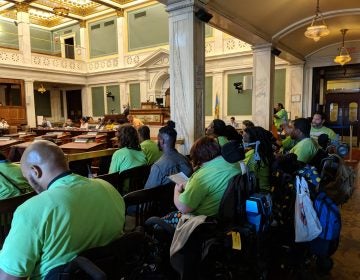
[
  {"x": 133, "y": 179},
  {"x": 118, "y": 260},
  {"x": 112, "y": 178},
  {"x": 7, "y": 209},
  {"x": 145, "y": 203}
]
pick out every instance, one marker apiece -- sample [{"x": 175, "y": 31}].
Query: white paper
[{"x": 179, "y": 178}]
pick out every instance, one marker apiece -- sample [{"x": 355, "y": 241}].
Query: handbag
[{"x": 307, "y": 224}]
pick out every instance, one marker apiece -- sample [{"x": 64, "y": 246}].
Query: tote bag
[{"x": 307, "y": 224}]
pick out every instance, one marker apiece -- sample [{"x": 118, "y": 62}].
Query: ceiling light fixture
[
  {"x": 344, "y": 56},
  {"x": 318, "y": 28},
  {"x": 41, "y": 89},
  {"x": 61, "y": 10}
]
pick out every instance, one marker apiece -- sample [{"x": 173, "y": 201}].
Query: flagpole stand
[{"x": 350, "y": 160}]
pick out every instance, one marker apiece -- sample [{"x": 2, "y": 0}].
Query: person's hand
[{"x": 180, "y": 187}]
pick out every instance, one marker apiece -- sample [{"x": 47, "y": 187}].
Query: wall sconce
[
  {"x": 41, "y": 89},
  {"x": 110, "y": 95},
  {"x": 239, "y": 87}
]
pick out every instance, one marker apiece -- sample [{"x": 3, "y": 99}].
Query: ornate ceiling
[{"x": 42, "y": 11}]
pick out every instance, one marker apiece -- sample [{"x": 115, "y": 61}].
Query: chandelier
[
  {"x": 61, "y": 10},
  {"x": 318, "y": 28},
  {"x": 344, "y": 56},
  {"x": 41, "y": 89}
]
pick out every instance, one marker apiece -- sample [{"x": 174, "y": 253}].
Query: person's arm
[
  {"x": 179, "y": 188},
  {"x": 5, "y": 276}
]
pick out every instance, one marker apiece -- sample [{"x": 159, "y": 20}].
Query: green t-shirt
[
  {"x": 222, "y": 140},
  {"x": 305, "y": 150},
  {"x": 151, "y": 151},
  {"x": 262, "y": 174},
  {"x": 14, "y": 176},
  {"x": 125, "y": 158},
  {"x": 282, "y": 117},
  {"x": 316, "y": 132},
  {"x": 51, "y": 228},
  {"x": 205, "y": 188}
]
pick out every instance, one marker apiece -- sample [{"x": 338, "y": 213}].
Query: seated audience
[
  {"x": 129, "y": 154},
  {"x": 46, "y": 123},
  {"x": 217, "y": 129},
  {"x": 318, "y": 128},
  {"x": 70, "y": 214},
  {"x": 261, "y": 167},
  {"x": 110, "y": 124},
  {"x": 134, "y": 121},
  {"x": 101, "y": 124},
  {"x": 68, "y": 123},
  {"x": 171, "y": 162},
  {"x": 247, "y": 123},
  {"x": 149, "y": 147},
  {"x": 280, "y": 116},
  {"x": 233, "y": 123},
  {"x": 4, "y": 124},
  {"x": 202, "y": 193},
  {"x": 305, "y": 147},
  {"x": 232, "y": 134},
  {"x": 12, "y": 182},
  {"x": 84, "y": 123}
]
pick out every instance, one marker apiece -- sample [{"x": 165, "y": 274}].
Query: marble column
[
  {"x": 187, "y": 70},
  {"x": 263, "y": 86},
  {"x": 120, "y": 21},
  {"x": 294, "y": 90},
  {"x": 86, "y": 99},
  {"x": 143, "y": 90},
  {"x": 30, "y": 103},
  {"x": 307, "y": 95},
  {"x": 23, "y": 23},
  {"x": 83, "y": 41},
  {"x": 124, "y": 94}
]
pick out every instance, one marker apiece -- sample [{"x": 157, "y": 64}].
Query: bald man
[{"x": 70, "y": 214}]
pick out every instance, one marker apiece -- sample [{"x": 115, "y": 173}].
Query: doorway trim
[{"x": 62, "y": 43}]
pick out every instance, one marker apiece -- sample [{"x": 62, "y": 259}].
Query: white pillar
[
  {"x": 307, "y": 96},
  {"x": 124, "y": 96},
  {"x": 263, "y": 86},
  {"x": 294, "y": 90},
  {"x": 23, "y": 22},
  {"x": 120, "y": 36},
  {"x": 83, "y": 41},
  {"x": 30, "y": 103},
  {"x": 143, "y": 90},
  {"x": 86, "y": 100},
  {"x": 187, "y": 70}
]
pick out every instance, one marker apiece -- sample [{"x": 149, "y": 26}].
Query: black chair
[
  {"x": 7, "y": 209},
  {"x": 145, "y": 203},
  {"x": 120, "y": 259}
]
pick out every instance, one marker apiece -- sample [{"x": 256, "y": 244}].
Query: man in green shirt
[
  {"x": 318, "y": 128},
  {"x": 70, "y": 214},
  {"x": 280, "y": 117},
  {"x": 149, "y": 147},
  {"x": 305, "y": 148}
]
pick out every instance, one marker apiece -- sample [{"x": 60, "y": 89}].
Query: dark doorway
[
  {"x": 74, "y": 106},
  {"x": 69, "y": 48}
]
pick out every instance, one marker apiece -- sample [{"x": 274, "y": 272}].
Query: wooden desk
[
  {"x": 17, "y": 150},
  {"x": 155, "y": 116},
  {"x": 99, "y": 138},
  {"x": 6, "y": 144},
  {"x": 72, "y": 147}
]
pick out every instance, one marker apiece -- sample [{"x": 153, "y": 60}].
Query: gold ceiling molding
[
  {"x": 82, "y": 23},
  {"x": 123, "y": 2},
  {"x": 22, "y": 7}
]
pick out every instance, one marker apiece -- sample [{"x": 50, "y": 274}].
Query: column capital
[
  {"x": 120, "y": 12},
  {"x": 262, "y": 47},
  {"x": 173, "y": 5},
  {"x": 22, "y": 7},
  {"x": 82, "y": 23}
]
